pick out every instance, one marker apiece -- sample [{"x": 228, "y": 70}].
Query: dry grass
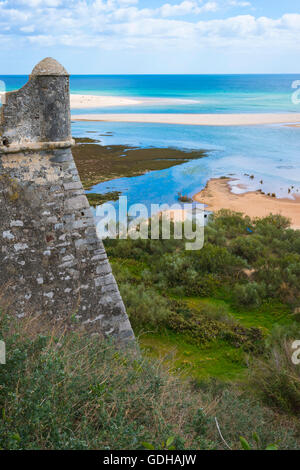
[
  {"x": 70, "y": 384},
  {"x": 276, "y": 378},
  {"x": 63, "y": 389}
]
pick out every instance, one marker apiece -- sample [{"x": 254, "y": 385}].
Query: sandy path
[
  {"x": 196, "y": 119},
  {"x": 217, "y": 195}
]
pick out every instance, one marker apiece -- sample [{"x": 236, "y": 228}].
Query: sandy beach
[
  {"x": 196, "y": 119},
  {"x": 217, "y": 195}
]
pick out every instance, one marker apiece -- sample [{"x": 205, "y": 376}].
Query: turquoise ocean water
[
  {"x": 202, "y": 93},
  {"x": 270, "y": 153}
]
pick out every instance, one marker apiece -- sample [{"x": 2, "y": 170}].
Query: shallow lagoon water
[{"x": 269, "y": 153}]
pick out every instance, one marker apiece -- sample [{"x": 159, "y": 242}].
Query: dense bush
[
  {"x": 145, "y": 307},
  {"x": 250, "y": 294},
  {"x": 66, "y": 390},
  {"x": 251, "y": 264},
  {"x": 232, "y": 224},
  {"x": 251, "y": 259},
  {"x": 214, "y": 259},
  {"x": 249, "y": 248}
]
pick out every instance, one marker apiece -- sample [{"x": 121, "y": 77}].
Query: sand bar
[
  {"x": 217, "y": 195},
  {"x": 91, "y": 101},
  {"x": 103, "y": 101},
  {"x": 196, "y": 119}
]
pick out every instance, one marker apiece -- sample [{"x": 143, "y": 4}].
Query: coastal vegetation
[
  {"x": 98, "y": 199},
  {"x": 98, "y": 163},
  {"x": 64, "y": 389},
  {"x": 215, "y": 329},
  {"x": 224, "y": 317},
  {"x": 227, "y": 312}
]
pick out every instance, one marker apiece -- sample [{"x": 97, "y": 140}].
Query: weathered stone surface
[
  {"x": 49, "y": 67},
  {"x": 40, "y": 111},
  {"x": 51, "y": 261}
]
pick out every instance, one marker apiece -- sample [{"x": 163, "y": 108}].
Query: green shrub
[
  {"x": 247, "y": 247},
  {"x": 272, "y": 221},
  {"x": 205, "y": 285},
  {"x": 202, "y": 328},
  {"x": 218, "y": 260},
  {"x": 145, "y": 307},
  {"x": 276, "y": 379},
  {"x": 218, "y": 312},
  {"x": 175, "y": 269},
  {"x": 233, "y": 223},
  {"x": 266, "y": 248},
  {"x": 250, "y": 294},
  {"x": 196, "y": 329}
]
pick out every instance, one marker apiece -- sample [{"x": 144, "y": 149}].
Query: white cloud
[
  {"x": 123, "y": 23},
  {"x": 291, "y": 21},
  {"x": 40, "y": 3},
  {"x": 237, "y": 3},
  {"x": 186, "y": 7},
  {"x": 209, "y": 6},
  {"x": 131, "y": 14},
  {"x": 128, "y": 2},
  {"x": 180, "y": 9},
  {"x": 27, "y": 29}
]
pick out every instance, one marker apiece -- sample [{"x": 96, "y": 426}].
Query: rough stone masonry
[{"x": 51, "y": 260}]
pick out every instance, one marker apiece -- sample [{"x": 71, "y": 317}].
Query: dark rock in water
[{"x": 98, "y": 199}]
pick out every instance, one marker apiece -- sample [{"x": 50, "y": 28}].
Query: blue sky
[{"x": 151, "y": 36}]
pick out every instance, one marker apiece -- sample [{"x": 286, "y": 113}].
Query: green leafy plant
[
  {"x": 246, "y": 446},
  {"x": 163, "y": 446}
]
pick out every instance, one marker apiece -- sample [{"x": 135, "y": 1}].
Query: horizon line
[{"x": 156, "y": 74}]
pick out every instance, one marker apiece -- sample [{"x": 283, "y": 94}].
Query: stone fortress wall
[{"x": 51, "y": 260}]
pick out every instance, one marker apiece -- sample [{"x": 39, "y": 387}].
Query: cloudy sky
[{"x": 151, "y": 36}]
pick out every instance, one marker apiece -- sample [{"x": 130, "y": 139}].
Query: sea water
[
  {"x": 186, "y": 93},
  {"x": 257, "y": 157}
]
